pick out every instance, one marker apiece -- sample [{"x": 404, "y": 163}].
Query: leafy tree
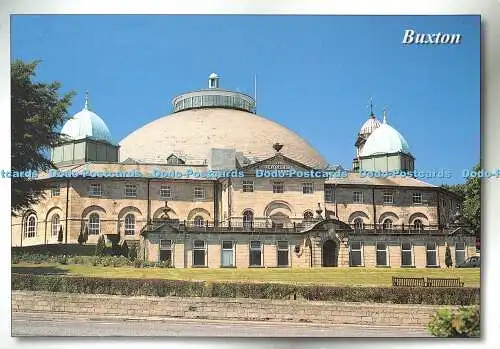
[
  {"x": 471, "y": 193},
  {"x": 100, "y": 248},
  {"x": 37, "y": 112},
  {"x": 60, "y": 235},
  {"x": 447, "y": 257}
]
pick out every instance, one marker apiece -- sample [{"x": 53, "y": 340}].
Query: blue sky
[{"x": 315, "y": 73}]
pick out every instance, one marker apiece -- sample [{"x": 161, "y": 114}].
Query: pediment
[{"x": 277, "y": 162}]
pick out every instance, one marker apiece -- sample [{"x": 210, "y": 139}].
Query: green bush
[
  {"x": 158, "y": 287},
  {"x": 132, "y": 253},
  {"x": 463, "y": 323},
  {"x": 100, "y": 248}
]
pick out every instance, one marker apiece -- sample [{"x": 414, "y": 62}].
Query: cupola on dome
[
  {"x": 385, "y": 140},
  {"x": 86, "y": 124},
  {"x": 370, "y": 125}
]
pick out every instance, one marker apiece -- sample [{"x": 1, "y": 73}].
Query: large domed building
[{"x": 213, "y": 184}]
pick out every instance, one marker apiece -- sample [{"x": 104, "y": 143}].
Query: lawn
[{"x": 330, "y": 276}]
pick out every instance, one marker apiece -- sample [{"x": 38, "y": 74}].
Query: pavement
[{"x": 57, "y": 324}]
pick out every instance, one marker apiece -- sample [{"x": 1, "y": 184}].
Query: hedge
[{"x": 161, "y": 288}]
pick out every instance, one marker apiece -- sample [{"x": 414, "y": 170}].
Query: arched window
[
  {"x": 94, "y": 224},
  {"x": 247, "y": 219},
  {"x": 30, "y": 226},
  {"x": 358, "y": 224},
  {"x": 308, "y": 216},
  {"x": 387, "y": 225},
  {"x": 56, "y": 224},
  {"x": 418, "y": 225},
  {"x": 198, "y": 221},
  {"x": 130, "y": 224}
]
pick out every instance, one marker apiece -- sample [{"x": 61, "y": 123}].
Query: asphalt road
[{"x": 46, "y": 324}]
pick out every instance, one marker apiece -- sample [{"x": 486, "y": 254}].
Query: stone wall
[{"x": 335, "y": 313}]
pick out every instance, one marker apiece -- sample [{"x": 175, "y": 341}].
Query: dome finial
[
  {"x": 371, "y": 108},
  {"x": 385, "y": 111},
  {"x": 213, "y": 81},
  {"x": 86, "y": 105}
]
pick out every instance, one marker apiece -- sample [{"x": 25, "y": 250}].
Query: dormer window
[{"x": 174, "y": 160}]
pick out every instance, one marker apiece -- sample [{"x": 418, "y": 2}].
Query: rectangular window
[
  {"x": 282, "y": 253},
  {"x": 431, "y": 254},
  {"x": 227, "y": 253},
  {"x": 381, "y": 254},
  {"x": 199, "y": 253},
  {"x": 130, "y": 190},
  {"x": 307, "y": 188},
  {"x": 199, "y": 193},
  {"x": 417, "y": 198},
  {"x": 255, "y": 254},
  {"x": 248, "y": 186},
  {"x": 459, "y": 253},
  {"x": 357, "y": 197},
  {"x": 406, "y": 254},
  {"x": 95, "y": 189},
  {"x": 165, "y": 192},
  {"x": 166, "y": 250},
  {"x": 55, "y": 191},
  {"x": 329, "y": 194},
  {"x": 355, "y": 254},
  {"x": 388, "y": 198},
  {"x": 278, "y": 187}
]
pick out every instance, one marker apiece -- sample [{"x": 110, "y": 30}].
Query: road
[{"x": 46, "y": 324}]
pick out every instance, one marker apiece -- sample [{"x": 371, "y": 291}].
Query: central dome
[{"x": 191, "y": 134}]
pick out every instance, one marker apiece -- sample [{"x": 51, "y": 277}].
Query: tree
[
  {"x": 60, "y": 235},
  {"x": 132, "y": 253},
  {"x": 471, "y": 193},
  {"x": 447, "y": 257},
  {"x": 37, "y": 112},
  {"x": 100, "y": 248},
  {"x": 84, "y": 235}
]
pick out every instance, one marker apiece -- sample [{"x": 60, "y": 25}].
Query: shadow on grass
[{"x": 38, "y": 270}]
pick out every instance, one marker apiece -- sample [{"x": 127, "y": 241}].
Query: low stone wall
[{"x": 225, "y": 309}]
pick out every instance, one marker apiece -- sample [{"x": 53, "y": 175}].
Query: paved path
[{"x": 46, "y": 324}]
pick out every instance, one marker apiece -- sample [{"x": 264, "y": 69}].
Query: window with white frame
[
  {"x": 166, "y": 250},
  {"x": 130, "y": 190},
  {"x": 307, "y": 188},
  {"x": 381, "y": 253},
  {"x": 227, "y": 253},
  {"x": 418, "y": 225},
  {"x": 459, "y": 252},
  {"x": 198, "y": 221},
  {"x": 255, "y": 253},
  {"x": 165, "y": 192},
  {"x": 358, "y": 224},
  {"x": 247, "y": 219},
  {"x": 55, "y": 191},
  {"x": 130, "y": 224},
  {"x": 417, "y": 198},
  {"x": 406, "y": 254},
  {"x": 56, "y": 224},
  {"x": 95, "y": 189},
  {"x": 355, "y": 254},
  {"x": 431, "y": 254},
  {"x": 94, "y": 224},
  {"x": 283, "y": 253},
  {"x": 248, "y": 186},
  {"x": 387, "y": 224},
  {"x": 199, "y": 253},
  {"x": 30, "y": 226},
  {"x": 388, "y": 198},
  {"x": 199, "y": 193},
  {"x": 278, "y": 187},
  {"x": 357, "y": 197},
  {"x": 329, "y": 194}
]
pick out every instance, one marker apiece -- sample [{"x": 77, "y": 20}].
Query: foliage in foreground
[
  {"x": 462, "y": 323},
  {"x": 161, "y": 288}
]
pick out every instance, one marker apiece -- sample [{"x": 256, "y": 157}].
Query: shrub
[
  {"x": 447, "y": 258},
  {"x": 60, "y": 236},
  {"x": 132, "y": 253},
  {"x": 125, "y": 249},
  {"x": 463, "y": 323},
  {"x": 132, "y": 287},
  {"x": 100, "y": 248}
]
